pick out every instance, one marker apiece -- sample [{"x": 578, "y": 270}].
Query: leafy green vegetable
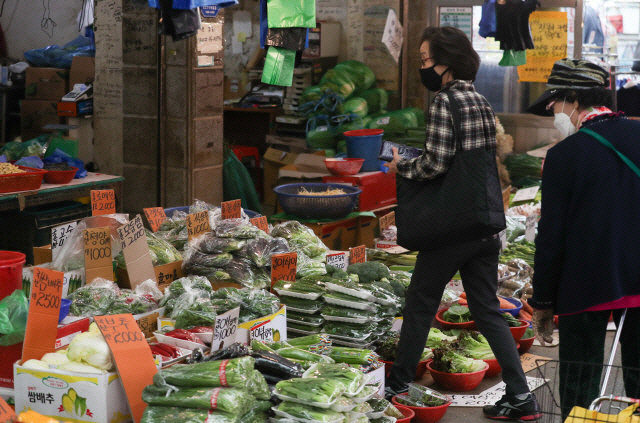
[
  {"x": 306, "y": 412},
  {"x": 349, "y": 330},
  {"x": 511, "y": 321},
  {"x": 339, "y": 311},
  {"x": 235, "y": 373},
  {"x": 95, "y": 299},
  {"x": 475, "y": 345},
  {"x": 155, "y": 414},
  {"x": 353, "y": 356},
  {"x": 298, "y": 354},
  {"x": 528, "y": 334},
  {"x": 351, "y": 378},
  {"x": 302, "y": 237},
  {"x": 315, "y": 391},
  {"x": 449, "y": 361},
  {"x": 436, "y": 338},
  {"x": 457, "y": 314},
  {"x": 231, "y": 400}
]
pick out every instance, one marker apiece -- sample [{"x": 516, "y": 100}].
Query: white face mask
[{"x": 563, "y": 123}]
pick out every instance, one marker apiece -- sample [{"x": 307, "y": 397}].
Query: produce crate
[{"x": 21, "y": 231}]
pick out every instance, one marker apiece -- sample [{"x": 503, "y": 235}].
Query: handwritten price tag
[
  {"x": 198, "y": 224},
  {"x": 155, "y": 217},
  {"x": 44, "y": 310},
  {"x": 387, "y": 220},
  {"x": 530, "y": 228},
  {"x": 59, "y": 235},
  {"x": 97, "y": 253},
  {"x": 231, "y": 209},
  {"x": 224, "y": 331},
  {"x": 284, "y": 267},
  {"x": 125, "y": 341},
  {"x": 338, "y": 260},
  {"x": 136, "y": 252},
  {"x": 260, "y": 223},
  {"x": 103, "y": 202},
  {"x": 526, "y": 194},
  {"x": 357, "y": 254},
  {"x": 6, "y": 412}
]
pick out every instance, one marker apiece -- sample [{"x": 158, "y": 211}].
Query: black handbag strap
[{"x": 454, "y": 107}]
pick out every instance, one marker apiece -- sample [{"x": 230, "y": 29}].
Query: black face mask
[{"x": 430, "y": 78}]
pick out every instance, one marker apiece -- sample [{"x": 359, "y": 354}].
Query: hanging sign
[
  {"x": 549, "y": 33},
  {"x": 458, "y": 17}
]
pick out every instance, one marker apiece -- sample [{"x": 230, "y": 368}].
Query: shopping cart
[{"x": 589, "y": 383}]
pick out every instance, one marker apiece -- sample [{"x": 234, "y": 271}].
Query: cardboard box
[
  {"x": 378, "y": 376},
  {"x": 273, "y": 160},
  {"x": 378, "y": 188},
  {"x": 506, "y": 197},
  {"x": 69, "y": 328},
  {"x": 73, "y": 280},
  {"x": 42, "y": 255},
  {"x": 268, "y": 328},
  {"x": 42, "y": 391},
  {"x": 35, "y": 115},
  {"x": 165, "y": 274},
  {"x": 71, "y": 108},
  {"x": 289, "y": 144},
  {"x": 148, "y": 322},
  {"x": 46, "y": 83},
  {"x": 83, "y": 71},
  {"x": 324, "y": 40}
]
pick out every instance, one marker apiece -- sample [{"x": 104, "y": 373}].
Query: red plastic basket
[
  {"x": 60, "y": 176},
  {"x": 30, "y": 180}
]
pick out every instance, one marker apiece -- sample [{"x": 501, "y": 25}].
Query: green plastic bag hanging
[
  {"x": 13, "y": 318},
  {"x": 278, "y": 67},
  {"x": 291, "y": 13},
  {"x": 513, "y": 58},
  {"x": 237, "y": 184}
]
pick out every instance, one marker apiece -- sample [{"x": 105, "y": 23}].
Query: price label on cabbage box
[
  {"x": 103, "y": 202},
  {"x": 338, "y": 260},
  {"x": 198, "y": 224},
  {"x": 155, "y": 217},
  {"x": 357, "y": 254},
  {"x": 530, "y": 228},
  {"x": 284, "y": 267},
  {"x": 231, "y": 209},
  {"x": 260, "y": 223}
]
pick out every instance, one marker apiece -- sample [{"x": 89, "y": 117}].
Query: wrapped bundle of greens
[
  {"x": 197, "y": 263},
  {"x": 237, "y": 373},
  {"x": 128, "y": 302},
  {"x": 318, "y": 392},
  {"x": 161, "y": 251},
  {"x": 194, "y": 309},
  {"x": 242, "y": 271},
  {"x": 237, "y": 228},
  {"x": 307, "y": 412},
  {"x": 351, "y": 378},
  {"x": 208, "y": 243},
  {"x": 253, "y": 303},
  {"x": 181, "y": 286},
  {"x": 154, "y": 414},
  {"x": 301, "y": 238},
  {"x": 303, "y": 355},
  {"x": 351, "y": 313},
  {"x": 230, "y": 400},
  {"x": 349, "y": 330},
  {"x": 301, "y": 304},
  {"x": 174, "y": 230},
  {"x": 257, "y": 385},
  {"x": 95, "y": 299},
  {"x": 260, "y": 250}
]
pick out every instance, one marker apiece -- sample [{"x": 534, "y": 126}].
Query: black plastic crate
[{"x": 21, "y": 231}]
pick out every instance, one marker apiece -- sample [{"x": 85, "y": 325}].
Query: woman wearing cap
[
  {"x": 587, "y": 249},
  {"x": 449, "y": 63}
]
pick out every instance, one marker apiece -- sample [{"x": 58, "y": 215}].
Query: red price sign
[
  {"x": 284, "y": 267},
  {"x": 125, "y": 341},
  {"x": 156, "y": 217},
  {"x": 44, "y": 310},
  {"x": 198, "y": 224},
  {"x": 357, "y": 254},
  {"x": 6, "y": 413},
  {"x": 103, "y": 202},
  {"x": 260, "y": 223},
  {"x": 232, "y": 209}
]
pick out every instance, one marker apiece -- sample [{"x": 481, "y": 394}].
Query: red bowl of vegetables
[
  {"x": 494, "y": 368},
  {"x": 518, "y": 331},
  {"x": 457, "y": 382},
  {"x": 344, "y": 167},
  {"x": 471, "y": 325},
  {"x": 526, "y": 343},
  {"x": 424, "y": 414},
  {"x": 406, "y": 412}
]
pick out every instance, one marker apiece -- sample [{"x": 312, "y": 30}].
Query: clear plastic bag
[
  {"x": 210, "y": 244},
  {"x": 260, "y": 250},
  {"x": 301, "y": 238},
  {"x": 194, "y": 308},
  {"x": 71, "y": 255},
  {"x": 254, "y": 304},
  {"x": 240, "y": 270},
  {"x": 95, "y": 299},
  {"x": 128, "y": 301},
  {"x": 237, "y": 228},
  {"x": 13, "y": 318},
  {"x": 307, "y": 266},
  {"x": 182, "y": 286},
  {"x": 174, "y": 230},
  {"x": 197, "y": 263}
]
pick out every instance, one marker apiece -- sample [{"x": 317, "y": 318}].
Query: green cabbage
[
  {"x": 356, "y": 106},
  {"x": 377, "y": 99}
]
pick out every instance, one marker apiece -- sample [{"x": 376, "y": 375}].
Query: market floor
[{"x": 474, "y": 414}]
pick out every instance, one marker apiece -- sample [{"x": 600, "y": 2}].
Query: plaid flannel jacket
[{"x": 478, "y": 126}]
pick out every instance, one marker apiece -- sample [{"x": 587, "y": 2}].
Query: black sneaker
[
  {"x": 390, "y": 392},
  {"x": 511, "y": 408}
]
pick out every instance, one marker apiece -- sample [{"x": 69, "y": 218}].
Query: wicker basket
[{"x": 317, "y": 206}]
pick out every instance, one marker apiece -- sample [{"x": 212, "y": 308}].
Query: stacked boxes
[
  {"x": 44, "y": 87},
  {"x": 301, "y": 80}
]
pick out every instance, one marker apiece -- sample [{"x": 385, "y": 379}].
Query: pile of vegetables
[
  {"x": 161, "y": 251},
  {"x": 457, "y": 314},
  {"x": 449, "y": 360},
  {"x": 421, "y": 396},
  {"x": 104, "y": 297},
  {"x": 524, "y": 170},
  {"x": 524, "y": 250}
]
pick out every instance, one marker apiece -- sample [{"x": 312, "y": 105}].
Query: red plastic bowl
[
  {"x": 517, "y": 332},
  {"x": 406, "y": 412},
  {"x": 60, "y": 176},
  {"x": 425, "y": 414},
  {"x": 494, "y": 368},
  {"x": 420, "y": 371},
  {"x": 344, "y": 167},
  {"x": 458, "y": 382},
  {"x": 448, "y": 325},
  {"x": 525, "y": 344}
]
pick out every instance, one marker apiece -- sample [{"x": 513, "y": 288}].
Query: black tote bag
[{"x": 463, "y": 204}]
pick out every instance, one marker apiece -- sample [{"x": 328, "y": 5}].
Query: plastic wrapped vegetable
[
  {"x": 236, "y": 373},
  {"x": 230, "y": 400},
  {"x": 301, "y": 412},
  {"x": 154, "y": 414},
  {"x": 237, "y": 228},
  {"x": 208, "y": 243},
  {"x": 349, "y": 330},
  {"x": 194, "y": 309},
  {"x": 198, "y": 263},
  {"x": 351, "y": 378},
  {"x": 298, "y": 303},
  {"x": 260, "y": 250},
  {"x": 351, "y": 313},
  {"x": 303, "y": 318},
  {"x": 270, "y": 363},
  {"x": 128, "y": 302},
  {"x": 174, "y": 230},
  {"x": 161, "y": 251},
  {"x": 377, "y": 99},
  {"x": 179, "y": 287},
  {"x": 302, "y": 237},
  {"x": 95, "y": 299},
  {"x": 317, "y": 392},
  {"x": 298, "y": 354},
  {"x": 315, "y": 343},
  {"x": 309, "y": 267},
  {"x": 353, "y": 356},
  {"x": 241, "y": 272}
]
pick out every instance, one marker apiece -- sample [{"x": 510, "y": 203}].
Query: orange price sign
[
  {"x": 103, "y": 202},
  {"x": 260, "y": 223},
  {"x": 284, "y": 267},
  {"x": 155, "y": 216},
  {"x": 126, "y": 341},
  {"x": 44, "y": 310},
  {"x": 231, "y": 209},
  {"x": 357, "y": 254},
  {"x": 97, "y": 253},
  {"x": 387, "y": 220},
  {"x": 7, "y": 415},
  {"x": 198, "y": 224}
]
